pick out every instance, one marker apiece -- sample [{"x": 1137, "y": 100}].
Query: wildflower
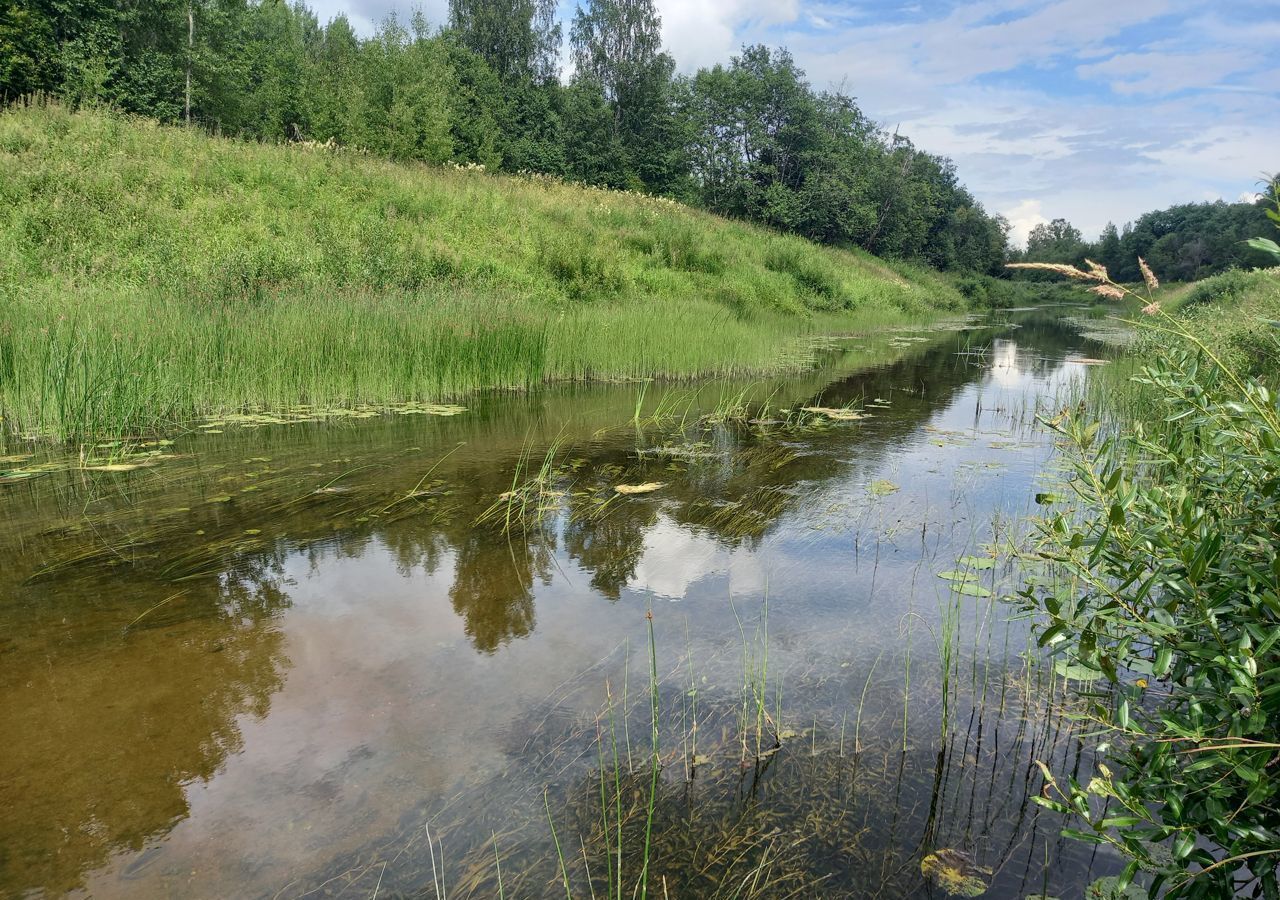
[
  {"x": 1151, "y": 309},
  {"x": 1147, "y": 275},
  {"x": 1142, "y": 683}
]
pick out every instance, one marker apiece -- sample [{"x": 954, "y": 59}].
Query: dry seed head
[
  {"x": 1109, "y": 291},
  {"x": 1097, "y": 270},
  {"x": 1060, "y": 268},
  {"x": 1147, "y": 275},
  {"x": 1151, "y": 309}
]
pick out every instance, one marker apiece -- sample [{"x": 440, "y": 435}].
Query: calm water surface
[{"x": 288, "y": 662}]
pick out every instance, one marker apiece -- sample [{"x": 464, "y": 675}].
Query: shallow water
[{"x": 289, "y": 662}]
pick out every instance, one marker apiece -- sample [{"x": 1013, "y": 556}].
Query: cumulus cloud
[
  {"x": 1023, "y": 217},
  {"x": 710, "y": 31}
]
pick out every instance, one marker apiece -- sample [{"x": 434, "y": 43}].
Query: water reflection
[
  {"x": 106, "y": 732},
  {"x": 272, "y": 661}
]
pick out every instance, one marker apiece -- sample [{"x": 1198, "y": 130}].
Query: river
[{"x": 288, "y": 660}]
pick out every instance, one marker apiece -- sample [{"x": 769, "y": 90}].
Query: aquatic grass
[
  {"x": 655, "y": 762},
  {"x": 754, "y": 715},
  {"x": 532, "y": 498}
]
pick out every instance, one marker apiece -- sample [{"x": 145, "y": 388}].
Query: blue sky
[{"x": 1094, "y": 110}]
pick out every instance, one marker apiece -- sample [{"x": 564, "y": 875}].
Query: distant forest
[
  {"x": 1182, "y": 243},
  {"x": 751, "y": 139}
]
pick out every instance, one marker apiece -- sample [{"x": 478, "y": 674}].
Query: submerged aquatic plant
[{"x": 956, "y": 873}]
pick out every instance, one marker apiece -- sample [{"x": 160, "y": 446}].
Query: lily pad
[
  {"x": 956, "y": 873},
  {"x": 647, "y": 488}
]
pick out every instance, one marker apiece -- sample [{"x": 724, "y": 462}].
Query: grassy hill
[{"x": 152, "y": 274}]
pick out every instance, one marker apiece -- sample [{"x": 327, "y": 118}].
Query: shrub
[{"x": 1165, "y": 586}]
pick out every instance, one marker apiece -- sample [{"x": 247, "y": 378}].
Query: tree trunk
[{"x": 191, "y": 42}]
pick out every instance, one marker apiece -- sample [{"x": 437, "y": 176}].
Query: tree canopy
[
  {"x": 750, "y": 138},
  {"x": 1186, "y": 242}
]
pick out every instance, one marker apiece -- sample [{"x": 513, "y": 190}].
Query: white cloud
[
  {"x": 1164, "y": 73},
  {"x": 1023, "y": 217},
  {"x": 707, "y": 32}
]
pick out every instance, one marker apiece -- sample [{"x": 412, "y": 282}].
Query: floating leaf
[
  {"x": 835, "y": 415},
  {"x": 220, "y": 498},
  {"x": 956, "y": 873},
  {"x": 965, "y": 583},
  {"x": 883, "y": 487},
  {"x": 647, "y": 488},
  {"x": 980, "y": 563}
]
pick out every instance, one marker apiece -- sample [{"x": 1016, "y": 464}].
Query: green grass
[
  {"x": 150, "y": 275},
  {"x": 1231, "y": 314}
]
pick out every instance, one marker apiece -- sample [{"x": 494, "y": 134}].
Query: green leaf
[
  {"x": 1121, "y": 821},
  {"x": 1052, "y": 634},
  {"x": 1076, "y": 671},
  {"x": 1266, "y": 245}
]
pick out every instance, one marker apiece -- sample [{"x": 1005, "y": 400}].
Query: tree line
[
  {"x": 751, "y": 138},
  {"x": 1185, "y": 242}
]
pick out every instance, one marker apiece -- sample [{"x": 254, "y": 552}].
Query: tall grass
[{"x": 149, "y": 275}]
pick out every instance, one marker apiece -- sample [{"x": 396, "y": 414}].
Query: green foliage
[
  {"x": 1265, "y": 246},
  {"x": 762, "y": 145},
  {"x": 752, "y": 140},
  {"x": 152, "y": 274},
  {"x": 1234, "y": 315},
  {"x": 1166, "y": 583},
  {"x": 520, "y": 41},
  {"x": 1225, "y": 288},
  {"x": 1187, "y": 242}
]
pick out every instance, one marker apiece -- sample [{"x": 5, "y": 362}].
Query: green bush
[
  {"x": 1222, "y": 288},
  {"x": 1165, "y": 586}
]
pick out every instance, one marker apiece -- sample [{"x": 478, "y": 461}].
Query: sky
[{"x": 1089, "y": 110}]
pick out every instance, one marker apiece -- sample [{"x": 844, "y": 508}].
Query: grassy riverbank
[{"x": 149, "y": 275}]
